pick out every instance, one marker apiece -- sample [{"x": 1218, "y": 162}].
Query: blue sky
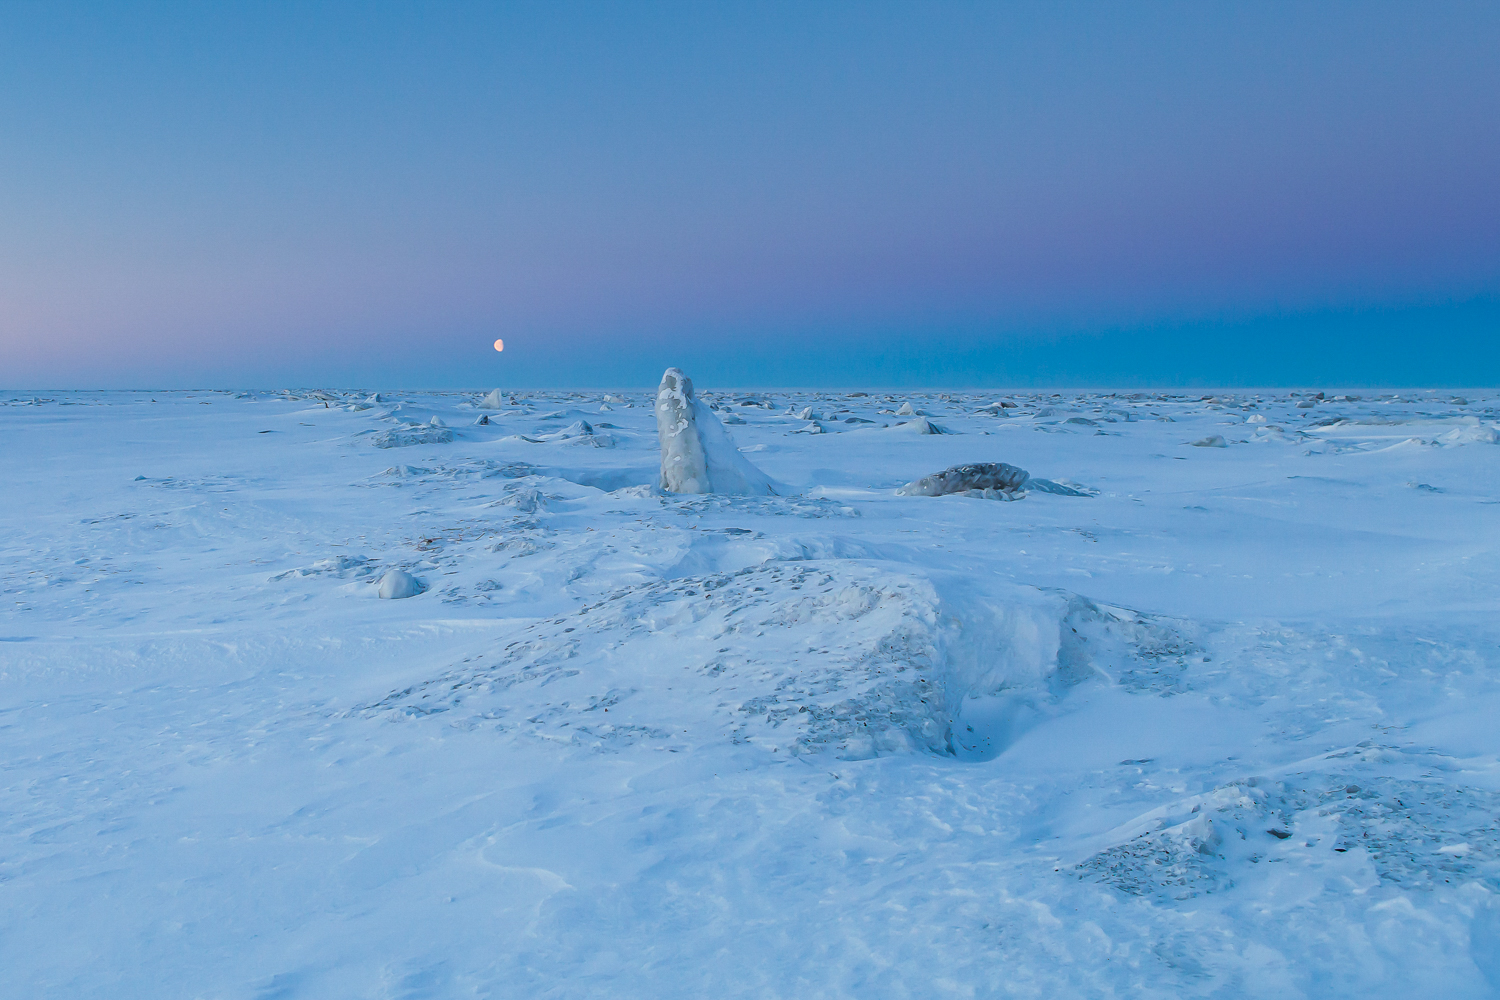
[{"x": 796, "y": 194}]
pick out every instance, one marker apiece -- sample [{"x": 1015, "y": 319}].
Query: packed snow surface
[{"x": 1217, "y": 718}]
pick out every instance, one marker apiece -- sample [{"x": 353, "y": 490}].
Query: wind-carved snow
[
  {"x": 1410, "y": 833},
  {"x": 803, "y": 657},
  {"x": 343, "y": 567},
  {"x": 799, "y": 657}
]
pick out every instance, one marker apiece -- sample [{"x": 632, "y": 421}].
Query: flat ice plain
[{"x": 1227, "y": 728}]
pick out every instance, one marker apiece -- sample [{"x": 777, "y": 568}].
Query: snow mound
[
  {"x": 397, "y": 584},
  {"x": 697, "y": 453},
  {"x": 990, "y": 480},
  {"x": 492, "y": 401},
  {"x": 807, "y": 657}
]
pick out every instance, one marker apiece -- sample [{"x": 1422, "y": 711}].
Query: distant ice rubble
[
  {"x": 412, "y": 433},
  {"x": 920, "y": 425},
  {"x": 579, "y": 432},
  {"x": 396, "y": 475},
  {"x": 697, "y": 453},
  {"x": 989, "y": 480}
]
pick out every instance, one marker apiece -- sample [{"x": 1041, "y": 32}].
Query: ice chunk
[
  {"x": 397, "y": 584},
  {"x": 921, "y": 425},
  {"x": 492, "y": 401},
  {"x": 991, "y": 480},
  {"x": 997, "y": 476},
  {"x": 697, "y": 453}
]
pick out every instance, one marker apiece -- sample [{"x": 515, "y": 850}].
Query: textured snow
[{"x": 1215, "y": 721}]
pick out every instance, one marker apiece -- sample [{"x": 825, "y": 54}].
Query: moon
[{"x": 499, "y": 345}]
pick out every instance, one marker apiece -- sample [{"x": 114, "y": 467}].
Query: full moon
[{"x": 499, "y": 345}]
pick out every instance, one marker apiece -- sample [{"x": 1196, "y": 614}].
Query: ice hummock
[
  {"x": 994, "y": 480},
  {"x": 697, "y": 453}
]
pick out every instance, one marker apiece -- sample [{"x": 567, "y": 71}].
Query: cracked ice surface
[{"x": 1220, "y": 725}]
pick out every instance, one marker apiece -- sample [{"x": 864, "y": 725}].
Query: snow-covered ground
[{"x": 1226, "y": 727}]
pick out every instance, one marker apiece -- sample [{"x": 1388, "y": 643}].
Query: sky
[{"x": 821, "y": 195}]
